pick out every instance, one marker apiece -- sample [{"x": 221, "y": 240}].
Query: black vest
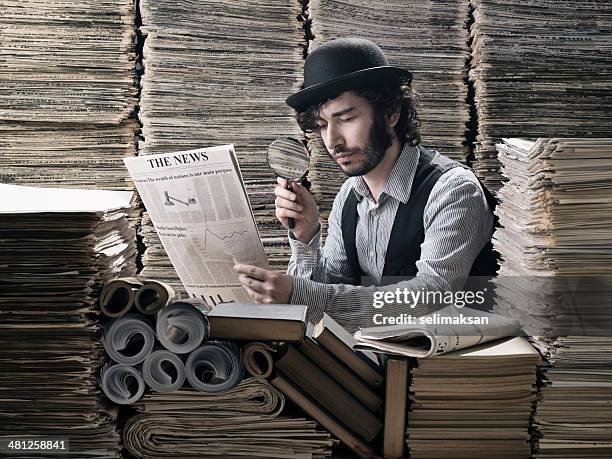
[{"x": 407, "y": 233}]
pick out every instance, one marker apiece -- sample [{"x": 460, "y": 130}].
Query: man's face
[{"x": 354, "y": 136}]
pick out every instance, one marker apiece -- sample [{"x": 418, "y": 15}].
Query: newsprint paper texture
[{"x": 199, "y": 207}]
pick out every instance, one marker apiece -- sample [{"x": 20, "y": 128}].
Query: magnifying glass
[{"x": 288, "y": 158}]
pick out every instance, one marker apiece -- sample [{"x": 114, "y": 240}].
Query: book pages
[{"x": 474, "y": 402}]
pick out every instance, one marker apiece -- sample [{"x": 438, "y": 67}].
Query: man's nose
[{"x": 333, "y": 137}]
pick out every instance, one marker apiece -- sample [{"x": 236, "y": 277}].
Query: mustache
[{"x": 343, "y": 150}]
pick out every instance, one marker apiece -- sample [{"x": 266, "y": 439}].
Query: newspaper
[
  {"x": 21, "y": 199},
  {"x": 199, "y": 207},
  {"x": 443, "y": 331}
]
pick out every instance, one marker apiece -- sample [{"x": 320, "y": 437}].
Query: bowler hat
[{"x": 341, "y": 65}]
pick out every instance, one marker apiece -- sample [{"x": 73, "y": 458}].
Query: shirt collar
[{"x": 400, "y": 179}]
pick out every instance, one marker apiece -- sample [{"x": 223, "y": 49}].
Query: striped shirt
[{"x": 457, "y": 223}]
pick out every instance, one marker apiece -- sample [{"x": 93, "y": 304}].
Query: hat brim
[{"x": 372, "y": 77}]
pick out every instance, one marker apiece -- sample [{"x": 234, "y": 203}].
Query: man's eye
[
  {"x": 320, "y": 127},
  {"x": 344, "y": 120}
]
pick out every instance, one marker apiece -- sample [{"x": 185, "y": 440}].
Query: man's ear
[{"x": 393, "y": 118}]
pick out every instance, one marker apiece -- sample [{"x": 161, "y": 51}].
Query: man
[{"x": 404, "y": 211}]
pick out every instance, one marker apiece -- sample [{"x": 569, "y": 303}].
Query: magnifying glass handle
[{"x": 290, "y": 220}]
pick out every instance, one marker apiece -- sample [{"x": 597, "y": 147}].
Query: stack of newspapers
[
  {"x": 67, "y": 93},
  {"x": 531, "y": 61},
  {"x": 555, "y": 278},
  {"x": 555, "y": 236},
  {"x": 59, "y": 247},
  {"x": 245, "y": 421},
  {"x": 215, "y": 74},
  {"x": 433, "y": 48}
]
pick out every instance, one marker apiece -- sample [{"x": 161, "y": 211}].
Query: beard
[{"x": 379, "y": 141}]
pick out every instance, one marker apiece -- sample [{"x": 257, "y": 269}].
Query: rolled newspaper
[
  {"x": 181, "y": 327},
  {"x": 214, "y": 367},
  {"x": 129, "y": 339},
  {"x": 153, "y": 296},
  {"x": 163, "y": 371},
  {"x": 117, "y": 296},
  {"x": 258, "y": 359},
  {"x": 122, "y": 384}
]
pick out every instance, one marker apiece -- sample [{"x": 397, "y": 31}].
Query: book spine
[
  {"x": 351, "y": 358},
  {"x": 342, "y": 375},
  {"x": 395, "y": 408},
  {"x": 327, "y": 422},
  {"x": 333, "y": 397}
]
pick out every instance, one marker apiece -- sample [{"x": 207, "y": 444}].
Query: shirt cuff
[
  {"x": 312, "y": 294},
  {"x": 299, "y": 247}
]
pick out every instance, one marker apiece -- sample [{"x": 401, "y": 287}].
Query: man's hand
[
  {"x": 265, "y": 286},
  {"x": 299, "y": 204}
]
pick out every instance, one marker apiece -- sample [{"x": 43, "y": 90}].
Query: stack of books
[
  {"x": 313, "y": 365},
  {"x": 474, "y": 403},
  {"x": 58, "y": 248},
  {"x": 460, "y": 371}
]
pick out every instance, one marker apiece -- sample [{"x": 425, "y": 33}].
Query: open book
[{"x": 443, "y": 331}]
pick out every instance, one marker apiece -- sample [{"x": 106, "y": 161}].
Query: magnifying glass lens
[{"x": 288, "y": 158}]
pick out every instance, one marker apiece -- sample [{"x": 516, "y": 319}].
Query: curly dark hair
[{"x": 385, "y": 100}]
